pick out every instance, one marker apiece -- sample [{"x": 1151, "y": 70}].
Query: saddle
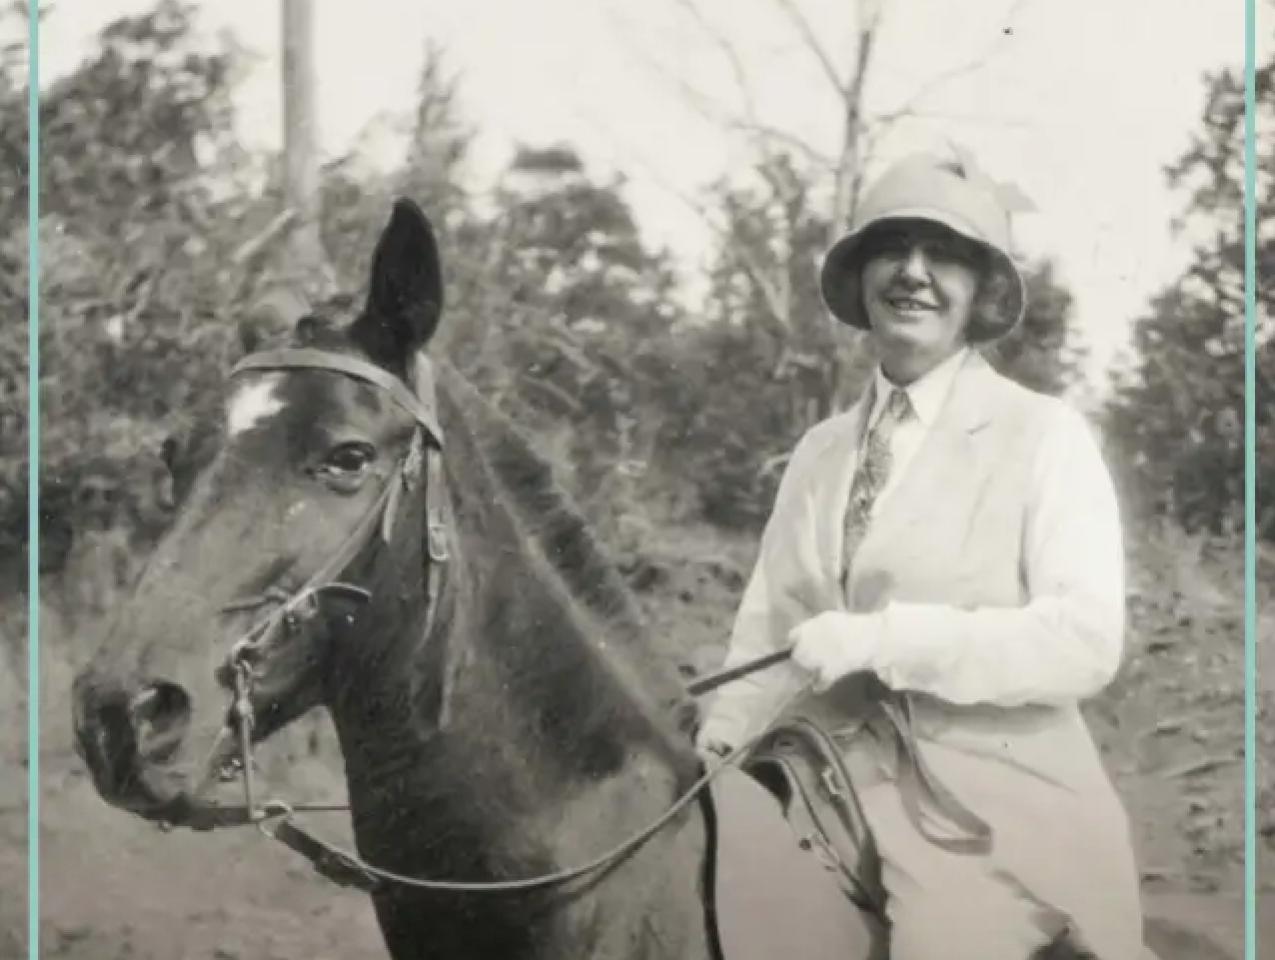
[
  {"x": 769, "y": 898},
  {"x": 800, "y": 770},
  {"x": 801, "y": 766},
  {"x": 803, "y": 900}
]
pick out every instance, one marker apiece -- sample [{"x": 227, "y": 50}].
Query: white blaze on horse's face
[{"x": 251, "y": 404}]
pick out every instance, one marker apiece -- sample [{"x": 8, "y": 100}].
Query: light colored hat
[{"x": 956, "y": 194}]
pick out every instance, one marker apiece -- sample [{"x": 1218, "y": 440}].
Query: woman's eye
[
  {"x": 350, "y": 458},
  {"x": 951, "y": 252},
  {"x": 892, "y": 245}
]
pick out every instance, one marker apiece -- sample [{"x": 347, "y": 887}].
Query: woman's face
[{"x": 919, "y": 283}]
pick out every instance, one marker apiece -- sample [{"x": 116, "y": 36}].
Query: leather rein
[{"x": 276, "y": 818}]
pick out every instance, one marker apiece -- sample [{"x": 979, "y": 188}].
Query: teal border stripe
[
  {"x": 1250, "y": 485},
  {"x": 33, "y": 483}
]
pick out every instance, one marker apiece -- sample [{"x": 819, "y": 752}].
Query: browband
[{"x": 421, "y": 406}]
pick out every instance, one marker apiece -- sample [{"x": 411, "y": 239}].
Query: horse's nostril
[
  {"x": 160, "y": 715},
  {"x": 106, "y": 740}
]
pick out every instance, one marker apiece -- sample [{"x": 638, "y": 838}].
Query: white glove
[
  {"x": 712, "y": 750},
  {"x": 835, "y": 644}
]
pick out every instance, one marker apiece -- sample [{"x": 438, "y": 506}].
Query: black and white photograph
[{"x": 691, "y": 479}]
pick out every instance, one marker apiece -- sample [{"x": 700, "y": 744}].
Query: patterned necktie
[{"x": 870, "y": 475}]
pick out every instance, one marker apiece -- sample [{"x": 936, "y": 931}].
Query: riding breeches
[{"x": 948, "y": 904}]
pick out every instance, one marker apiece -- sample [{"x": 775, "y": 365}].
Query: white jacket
[{"x": 994, "y": 576}]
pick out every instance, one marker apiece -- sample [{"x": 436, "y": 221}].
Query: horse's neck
[
  {"x": 504, "y": 745},
  {"x": 497, "y": 716},
  {"x": 489, "y": 797}
]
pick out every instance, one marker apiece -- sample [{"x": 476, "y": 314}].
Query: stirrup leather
[{"x": 800, "y": 764}]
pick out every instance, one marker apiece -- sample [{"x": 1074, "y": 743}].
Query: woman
[{"x": 945, "y": 560}]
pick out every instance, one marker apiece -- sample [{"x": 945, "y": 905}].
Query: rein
[
  {"x": 275, "y": 819},
  {"x": 346, "y": 869}
]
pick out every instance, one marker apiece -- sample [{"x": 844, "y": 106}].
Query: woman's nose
[{"x": 915, "y": 265}]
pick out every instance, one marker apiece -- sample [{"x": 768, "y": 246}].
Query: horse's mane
[
  {"x": 546, "y": 515},
  {"x": 546, "y": 512}
]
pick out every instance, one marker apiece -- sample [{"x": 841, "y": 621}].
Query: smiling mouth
[{"x": 909, "y": 306}]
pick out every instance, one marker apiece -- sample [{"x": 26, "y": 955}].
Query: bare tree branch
[
  {"x": 251, "y": 248},
  {"x": 777, "y": 302},
  {"x": 849, "y": 170},
  {"x": 764, "y": 132},
  {"x": 972, "y": 118},
  {"x": 554, "y": 393},
  {"x": 860, "y": 134},
  {"x": 963, "y": 69},
  {"x": 728, "y": 51},
  {"x": 776, "y": 296},
  {"x": 707, "y": 107},
  {"x": 710, "y": 110},
  {"x": 808, "y": 37}
]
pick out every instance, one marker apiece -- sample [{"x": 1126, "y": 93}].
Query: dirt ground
[
  {"x": 114, "y": 888},
  {"x": 118, "y": 889}
]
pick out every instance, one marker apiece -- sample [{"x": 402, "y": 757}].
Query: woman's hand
[
  {"x": 712, "y": 751},
  {"x": 835, "y": 644}
]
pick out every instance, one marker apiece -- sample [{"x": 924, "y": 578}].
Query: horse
[{"x": 374, "y": 537}]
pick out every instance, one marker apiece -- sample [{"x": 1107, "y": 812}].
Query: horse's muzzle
[{"x": 130, "y": 741}]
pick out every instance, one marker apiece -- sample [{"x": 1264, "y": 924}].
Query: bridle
[
  {"x": 276, "y": 819},
  {"x": 290, "y": 612},
  {"x": 424, "y": 455}
]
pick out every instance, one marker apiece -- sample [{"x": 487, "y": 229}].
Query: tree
[
  {"x": 1043, "y": 352},
  {"x": 759, "y": 379},
  {"x": 305, "y": 264},
  {"x": 779, "y": 361},
  {"x": 356, "y": 195},
  {"x": 440, "y": 140},
  {"x": 1176, "y": 417},
  {"x": 834, "y": 179},
  {"x": 143, "y": 205},
  {"x": 13, "y": 301},
  {"x": 581, "y": 349}
]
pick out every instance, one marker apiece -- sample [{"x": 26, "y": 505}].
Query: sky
[{"x": 1081, "y": 103}]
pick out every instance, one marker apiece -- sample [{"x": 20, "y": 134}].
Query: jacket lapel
[{"x": 942, "y": 484}]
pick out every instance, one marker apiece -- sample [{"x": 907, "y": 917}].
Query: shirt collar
[{"x": 926, "y": 393}]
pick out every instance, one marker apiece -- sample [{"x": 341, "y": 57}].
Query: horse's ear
[{"x": 405, "y": 291}]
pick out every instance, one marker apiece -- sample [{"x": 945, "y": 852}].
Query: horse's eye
[{"x": 350, "y": 458}]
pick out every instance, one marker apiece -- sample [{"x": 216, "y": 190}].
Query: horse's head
[{"x": 244, "y": 595}]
